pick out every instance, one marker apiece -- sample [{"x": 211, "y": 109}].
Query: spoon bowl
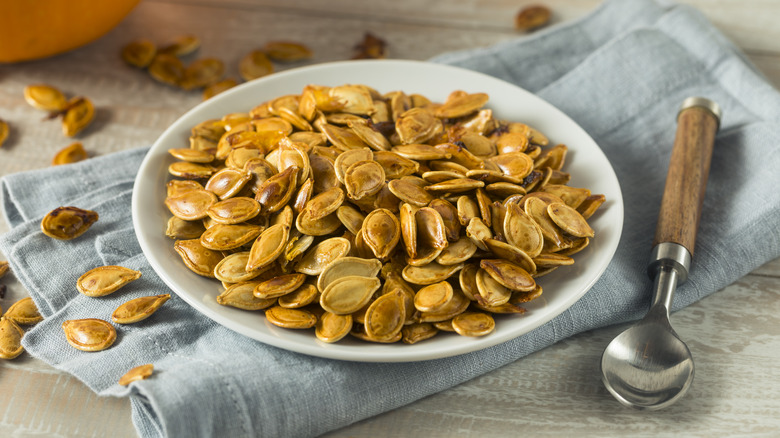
[{"x": 648, "y": 366}]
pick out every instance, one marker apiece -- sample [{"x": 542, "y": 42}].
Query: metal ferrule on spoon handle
[{"x": 675, "y": 237}]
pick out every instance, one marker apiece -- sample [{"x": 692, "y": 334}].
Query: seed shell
[
  {"x": 66, "y": 223},
  {"x": 140, "y": 372},
  {"x": 104, "y": 280},
  {"x": 138, "y": 309},
  {"x": 89, "y": 334}
]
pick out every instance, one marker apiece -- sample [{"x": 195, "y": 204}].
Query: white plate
[{"x": 586, "y": 163}]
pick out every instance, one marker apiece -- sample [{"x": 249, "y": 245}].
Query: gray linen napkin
[{"x": 620, "y": 72}]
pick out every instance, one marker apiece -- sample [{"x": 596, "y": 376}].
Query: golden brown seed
[
  {"x": 462, "y": 105},
  {"x": 473, "y": 324},
  {"x": 268, "y": 247},
  {"x": 325, "y": 203},
  {"x": 569, "y": 219},
  {"x": 536, "y": 208},
  {"x": 532, "y": 17},
  {"x": 182, "y": 45},
  {"x": 198, "y": 258},
  {"x": 191, "y": 204},
  {"x": 24, "y": 312},
  {"x": 5, "y": 130},
  {"x": 364, "y": 178},
  {"x": 457, "y": 305},
  {"x": 511, "y": 253},
  {"x": 381, "y": 232},
  {"x": 234, "y": 210},
  {"x": 420, "y": 331},
  {"x": 347, "y": 266},
  {"x": 218, "y": 87},
  {"x": 255, "y": 64},
  {"x": 303, "y": 296},
  {"x": 139, "y": 53},
  {"x": 410, "y": 192},
  {"x": 10, "y": 339},
  {"x": 332, "y": 328},
  {"x": 138, "y": 309},
  {"x": 65, "y": 223},
  {"x": 103, "y": 280},
  {"x": 202, "y": 73},
  {"x": 508, "y": 274},
  {"x": 290, "y": 318},
  {"x": 228, "y": 182},
  {"x": 491, "y": 292},
  {"x": 457, "y": 252},
  {"x": 78, "y": 115},
  {"x": 192, "y": 155},
  {"x": 327, "y": 225},
  {"x": 188, "y": 170},
  {"x": 278, "y": 286},
  {"x": 348, "y": 294},
  {"x": 4, "y": 267},
  {"x": 167, "y": 69},
  {"x": 276, "y": 191},
  {"x": 287, "y": 51},
  {"x": 386, "y": 315},
  {"x": 89, "y": 334},
  {"x": 223, "y": 237},
  {"x": 45, "y": 97},
  {"x": 430, "y": 273},
  {"x": 520, "y": 230},
  {"x": 434, "y": 297},
  {"x": 140, "y": 372},
  {"x": 241, "y": 296},
  {"x": 232, "y": 268},
  {"x": 321, "y": 255},
  {"x": 70, "y": 154},
  {"x": 417, "y": 126}
]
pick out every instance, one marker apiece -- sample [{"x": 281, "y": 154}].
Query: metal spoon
[{"x": 648, "y": 366}]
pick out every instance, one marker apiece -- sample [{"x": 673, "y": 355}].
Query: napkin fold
[{"x": 621, "y": 73}]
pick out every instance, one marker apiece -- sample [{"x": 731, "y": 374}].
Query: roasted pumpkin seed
[
  {"x": 10, "y": 339},
  {"x": 89, "y": 334},
  {"x": 24, "y": 312},
  {"x": 290, "y": 318},
  {"x": 138, "y": 309},
  {"x": 473, "y": 324},
  {"x": 255, "y": 64},
  {"x": 66, "y": 223},
  {"x": 332, "y": 327},
  {"x": 104, "y": 280},
  {"x": 140, "y": 372},
  {"x": 241, "y": 296},
  {"x": 139, "y": 53},
  {"x": 197, "y": 257},
  {"x": 45, "y": 97}
]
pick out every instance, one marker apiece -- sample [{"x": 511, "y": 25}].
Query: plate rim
[{"x": 362, "y": 353}]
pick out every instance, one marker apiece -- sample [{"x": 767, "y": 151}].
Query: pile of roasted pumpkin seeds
[{"x": 384, "y": 216}]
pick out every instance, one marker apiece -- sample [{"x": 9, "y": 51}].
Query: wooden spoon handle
[{"x": 678, "y": 220}]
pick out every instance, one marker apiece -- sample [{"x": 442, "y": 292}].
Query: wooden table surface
[{"x": 734, "y": 334}]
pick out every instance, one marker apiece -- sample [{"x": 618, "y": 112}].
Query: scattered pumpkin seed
[
  {"x": 89, "y": 334},
  {"x": 66, "y": 223},
  {"x": 104, "y": 280},
  {"x": 138, "y": 309},
  {"x": 140, "y": 372}
]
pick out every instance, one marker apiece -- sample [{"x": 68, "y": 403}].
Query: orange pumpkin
[{"x": 41, "y": 28}]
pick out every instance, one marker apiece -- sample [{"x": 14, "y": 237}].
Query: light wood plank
[{"x": 733, "y": 333}]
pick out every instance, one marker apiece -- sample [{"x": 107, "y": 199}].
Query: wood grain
[
  {"x": 686, "y": 179},
  {"x": 734, "y": 334}
]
